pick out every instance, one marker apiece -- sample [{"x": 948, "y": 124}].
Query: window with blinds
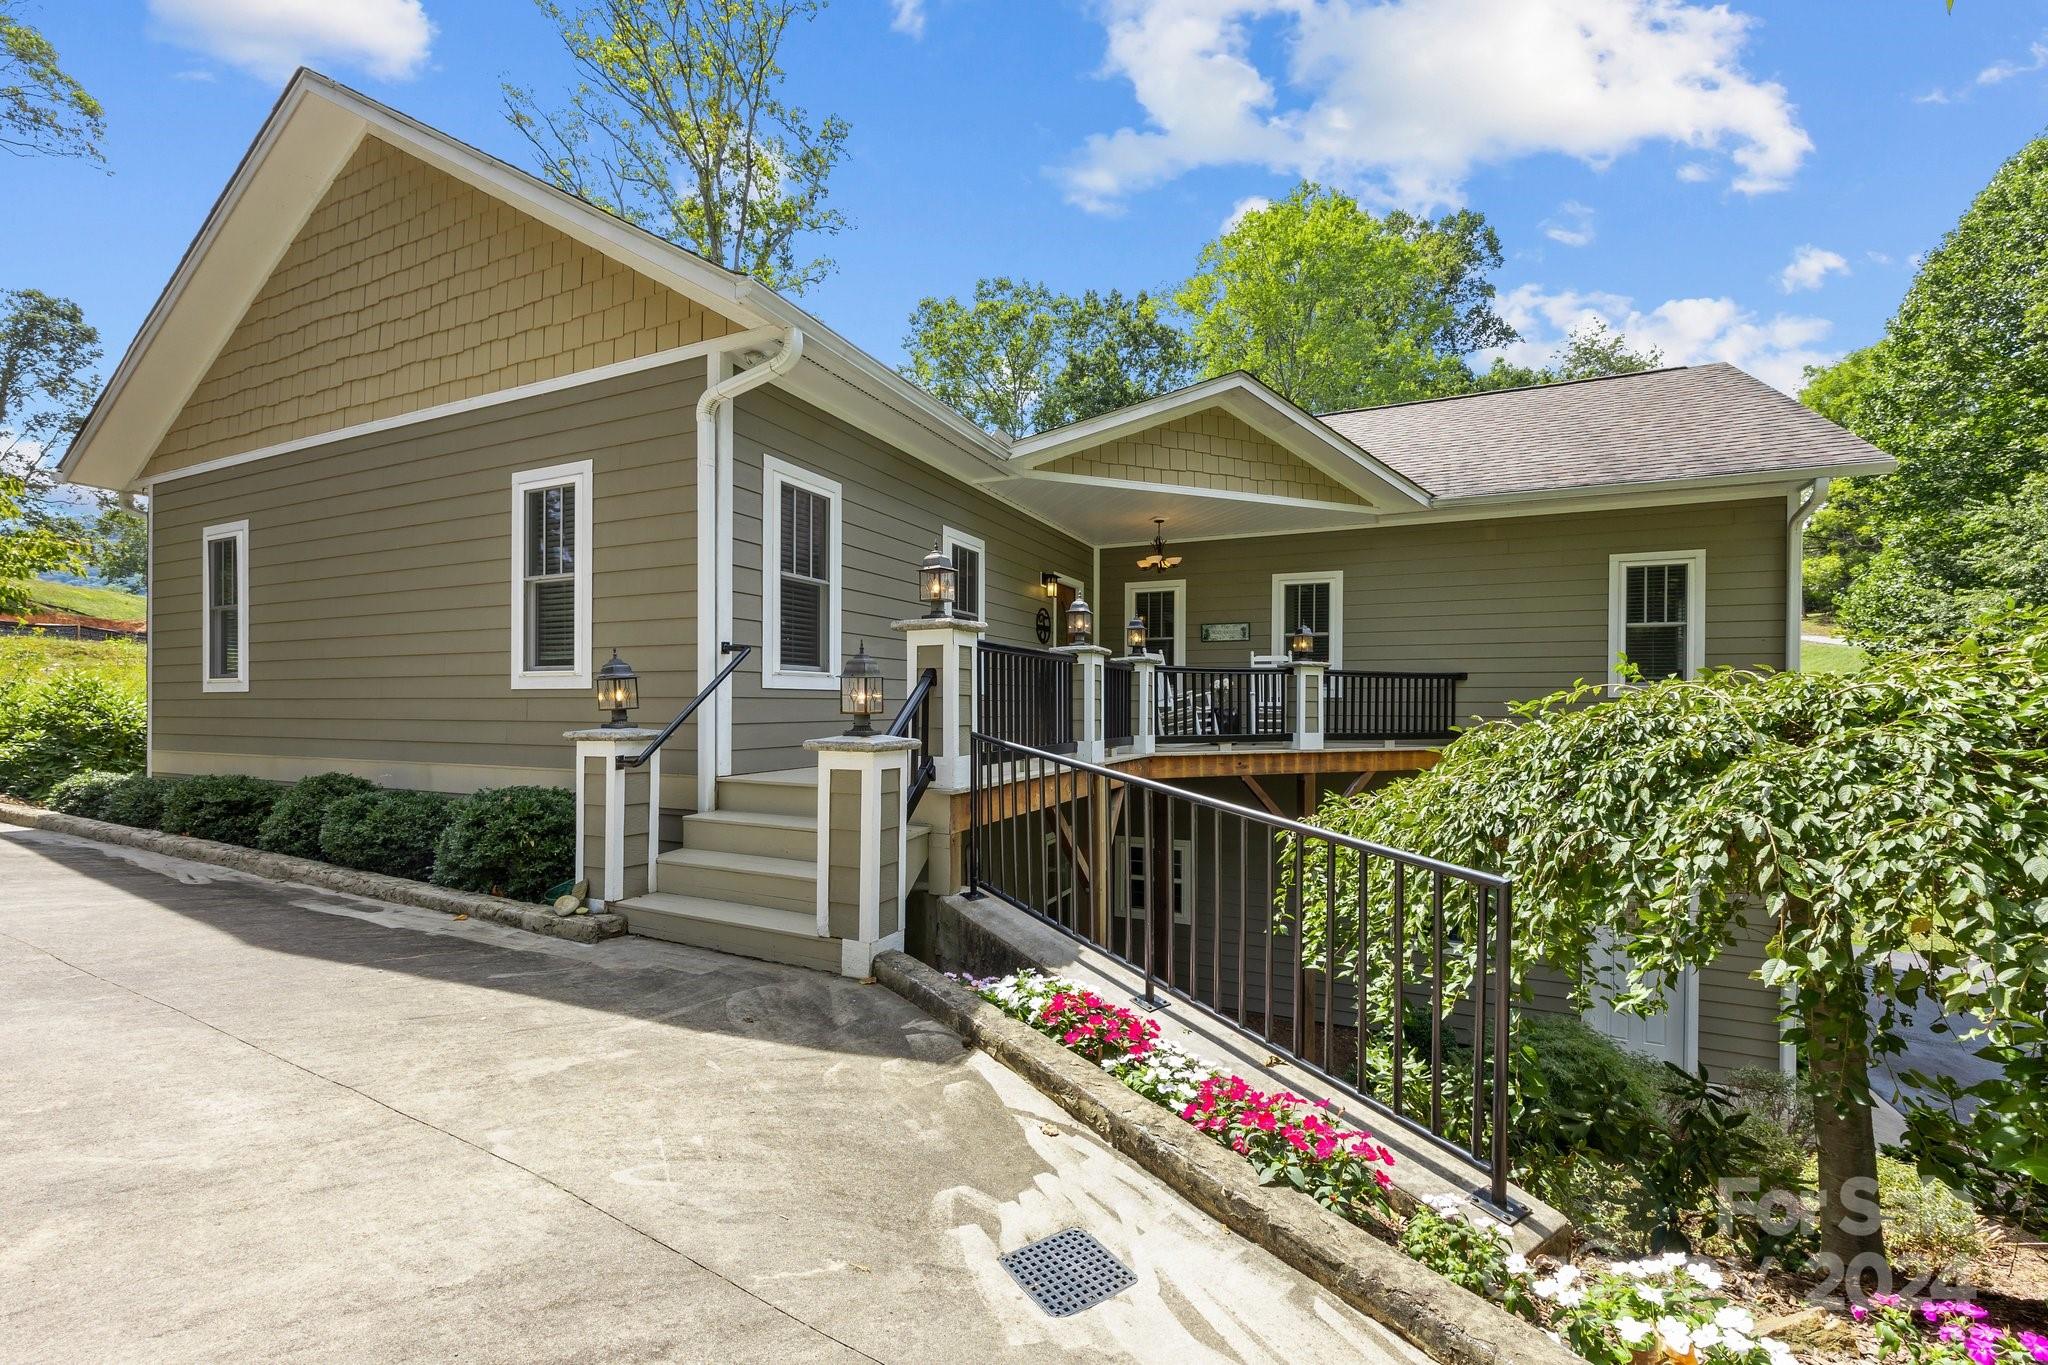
[
  {"x": 1655, "y": 618},
  {"x": 1159, "y": 609},
  {"x": 1307, "y": 604},
  {"x": 805, "y": 589},
  {"x": 551, "y": 578},
  {"x": 224, "y": 608},
  {"x": 967, "y": 580}
]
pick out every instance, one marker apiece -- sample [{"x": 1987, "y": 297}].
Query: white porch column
[
  {"x": 861, "y": 844},
  {"x": 618, "y": 813},
  {"x": 1145, "y": 687},
  {"x": 945, "y": 643},
  {"x": 1089, "y": 662},
  {"x": 1308, "y": 703}
]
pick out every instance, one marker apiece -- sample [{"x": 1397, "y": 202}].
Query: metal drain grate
[{"x": 1068, "y": 1272}]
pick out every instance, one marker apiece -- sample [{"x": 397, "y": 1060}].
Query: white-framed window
[
  {"x": 970, "y": 572},
  {"x": 1140, "y": 868},
  {"x": 1162, "y": 604},
  {"x": 800, "y": 577},
  {"x": 551, "y": 561},
  {"x": 224, "y": 585},
  {"x": 1656, "y": 614},
  {"x": 1317, "y": 601}
]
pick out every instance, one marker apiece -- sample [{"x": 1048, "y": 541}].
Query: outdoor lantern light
[
  {"x": 1134, "y": 636},
  {"x": 1080, "y": 620},
  {"x": 860, "y": 692},
  {"x": 618, "y": 691},
  {"x": 935, "y": 575},
  {"x": 1159, "y": 561},
  {"x": 1050, "y": 582},
  {"x": 1302, "y": 643}
]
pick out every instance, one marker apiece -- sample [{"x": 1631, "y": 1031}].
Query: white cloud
[
  {"x": 1810, "y": 267},
  {"x": 1998, "y": 73},
  {"x": 1695, "y": 172},
  {"x": 388, "y": 39},
  {"x": 1776, "y": 349},
  {"x": 1572, "y": 226},
  {"x": 1402, "y": 99},
  {"x": 198, "y": 74},
  {"x": 907, "y": 16},
  {"x": 1878, "y": 257},
  {"x": 1251, "y": 203}
]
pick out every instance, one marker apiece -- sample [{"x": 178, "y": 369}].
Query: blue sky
[{"x": 1749, "y": 183}]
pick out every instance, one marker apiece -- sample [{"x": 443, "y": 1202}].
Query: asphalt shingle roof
[{"x": 1683, "y": 423}]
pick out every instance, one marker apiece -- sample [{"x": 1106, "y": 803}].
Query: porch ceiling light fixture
[
  {"x": 936, "y": 578},
  {"x": 1159, "y": 561},
  {"x": 860, "y": 692},
  {"x": 618, "y": 691},
  {"x": 1080, "y": 620}
]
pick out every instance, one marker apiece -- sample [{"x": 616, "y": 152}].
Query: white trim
[
  {"x": 711, "y": 495},
  {"x": 1183, "y": 910},
  {"x": 1179, "y": 588},
  {"x": 1193, "y": 491},
  {"x": 149, "y": 638},
  {"x": 949, "y": 540},
  {"x": 579, "y": 474},
  {"x": 539, "y": 388},
  {"x": 776, "y": 472},
  {"x": 1801, "y": 504},
  {"x": 1335, "y": 578},
  {"x": 238, "y": 532},
  {"x": 1695, "y": 607}
]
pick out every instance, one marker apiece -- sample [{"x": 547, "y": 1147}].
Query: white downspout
[
  {"x": 1802, "y": 511},
  {"x": 714, "y": 575}
]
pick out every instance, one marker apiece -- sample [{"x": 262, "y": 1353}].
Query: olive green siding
[
  {"x": 380, "y": 593},
  {"x": 1519, "y": 604},
  {"x": 893, "y": 510}
]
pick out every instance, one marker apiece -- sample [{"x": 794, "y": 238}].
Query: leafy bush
[
  {"x": 394, "y": 833},
  {"x": 1927, "y": 1228},
  {"x": 294, "y": 823},
  {"x": 1478, "y": 1256},
  {"x": 513, "y": 841},
  {"x": 227, "y": 808},
  {"x": 138, "y": 801},
  {"x": 85, "y": 794},
  {"x": 67, "y": 723},
  {"x": 1577, "y": 1090}
]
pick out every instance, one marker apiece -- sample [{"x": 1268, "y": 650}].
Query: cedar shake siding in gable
[
  {"x": 1207, "y": 450},
  {"x": 893, "y": 510},
  {"x": 1519, "y": 603},
  {"x": 407, "y": 289},
  {"x": 380, "y": 594}
]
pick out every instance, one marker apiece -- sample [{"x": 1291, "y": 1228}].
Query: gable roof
[{"x": 1684, "y": 424}]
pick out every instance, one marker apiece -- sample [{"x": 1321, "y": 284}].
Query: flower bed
[
  {"x": 1946, "y": 1332},
  {"x": 1664, "y": 1309}
]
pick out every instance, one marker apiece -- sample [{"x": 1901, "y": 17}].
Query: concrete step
[
  {"x": 725, "y": 926},
  {"x": 785, "y": 793},
  {"x": 743, "y": 878},
  {"x": 747, "y": 831}
]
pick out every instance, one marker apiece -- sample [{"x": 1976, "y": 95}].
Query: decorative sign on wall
[
  {"x": 1044, "y": 624},
  {"x": 1226, "y": 632}
]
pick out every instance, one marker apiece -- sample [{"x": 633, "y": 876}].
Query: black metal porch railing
[
  {"x": 1226, "y": 705},
  {"x": 1025, "y": 695},
  {"x": 914, "y": 721},
  {"x": 739, "y": 655},
  {"x": 1359, "y": 705},
  {"x": 1119, "y": 703},
  {"x": 1382, "y": 972}
]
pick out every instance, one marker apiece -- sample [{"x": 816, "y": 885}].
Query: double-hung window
[
  {"x": 551, "y": 577},
  {"x": 801, "y": 576},
  {"x": 225, "y": 587},
  {"x": 1656, "y": 614},
  {"x": 969, "y": 555},
  {"x": 1315, "y": 600}
]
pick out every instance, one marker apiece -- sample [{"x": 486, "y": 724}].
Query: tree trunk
[{"x": 1838, "y": 1063}]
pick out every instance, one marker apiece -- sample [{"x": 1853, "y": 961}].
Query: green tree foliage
[
  {"x": 118, "y": 547},
  {"x": 47, "y": 354},
  {"x": 1020, "y": 358},
  {"x": 677, "y": 124},
  {"x": 1593, "y": 351},
  {"x": 43, "y": 111},
  {"x": 1336, "y": 308},
  {"x": 1888, "y": 829},
  {"x": 28, "y": 550}
]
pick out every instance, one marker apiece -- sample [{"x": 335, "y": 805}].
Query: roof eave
[{"x": 1762, "y": 479}]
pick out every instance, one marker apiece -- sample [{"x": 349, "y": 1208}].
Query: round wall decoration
[{"x": 1044, "y": 626}]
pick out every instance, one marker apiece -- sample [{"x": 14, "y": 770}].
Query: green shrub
[
  {"x": 138, "y": 801},
  {"x": 394, "y": 833},
  {"x": 514, "y": 841},
  {"x": 1927, "y": 1228},
  {"x": 1578, "y": 1091},
  {"x": 85, "y": 794},
  {"x": 294, "y": 823},
  {"x": 66, "y": 723},
  {"x": 227, "y": 808}
]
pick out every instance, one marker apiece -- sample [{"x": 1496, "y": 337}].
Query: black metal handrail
[
  {"x": 1086, "y": 848},
  {"x": 1377, "y": 705},
  {"x": 914, "y": 721},
  {"x": 1234, "y": 705},
  {"x": 1025, "y": 694},
  {"x": 739, "y": 656}
]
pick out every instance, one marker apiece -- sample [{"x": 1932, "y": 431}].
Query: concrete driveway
[{"x": 242, "y": 1120}]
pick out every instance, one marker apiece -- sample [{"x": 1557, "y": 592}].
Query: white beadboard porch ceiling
[{"x": 1110, "y": 512}]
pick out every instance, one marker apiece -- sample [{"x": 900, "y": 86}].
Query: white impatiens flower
[
  {"x": 1779, "y": 1352},
  {"x": 1517, "y": 1263},
  {"x": 1634, "y": 1332},
  {"x": 1732, "y": 1319},
  {"x": 1650, "y": 1294},
  {"x": 1446, "y": 1205},
  {"x": 1706, "y": 1275},
  {"x": 1570, "y": 1298},
  {"x": 1706, "y": 1336},
  {"x": 1675, "y": 1336}
]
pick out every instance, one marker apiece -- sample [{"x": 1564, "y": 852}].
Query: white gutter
[
  {"x": 1802, "y": 510},
  {"x": 714, "y": 542}
]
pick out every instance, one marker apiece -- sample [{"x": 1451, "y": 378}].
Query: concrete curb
[
  {"x": 1451, "y": 1324},
  {"x": 281, "y": 867}
]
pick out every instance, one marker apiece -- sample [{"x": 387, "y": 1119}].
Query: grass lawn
[
  {"x": 26, "y": 657},
  {"x": 108, "y": 604},
  {"x": 1816, "y": 657}
]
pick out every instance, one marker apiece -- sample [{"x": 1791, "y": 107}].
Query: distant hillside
[{"x": 106, "y": 604}]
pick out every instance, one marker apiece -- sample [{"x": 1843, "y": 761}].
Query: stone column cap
[
  {"x": 1146, "y": 658},
  {"x": 1309, "y": 663},
  {"x": 1102, "y": 650},
  {"x": 632, "y": 734},
  {"x": 940, "y": 623},
  {"x": 861, "y": 744}
]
